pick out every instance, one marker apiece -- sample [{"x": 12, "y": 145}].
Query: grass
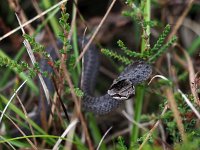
[{"x": 166, "y": 110}]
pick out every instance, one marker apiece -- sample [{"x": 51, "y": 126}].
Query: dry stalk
[
  {"x": 99, "y": 145},
  {"x": 174, "y": 108},
  {"x": 78, "y": 108},
  {"x": 180, "y": 20},
  {"x": 33, "y": 60},
  {"x": 70, "y": 135},
  {"x": 28, "y": 119},
  {"x": 95, "y": 32},
  {"x": 10, "y": 100},
  {"x": 154, "y": 127},
  {"x": 73, "y": 25},
  {"x": 47, "y": 29},
  {"x": 180, "y": 60},
  {"x": 191, "y": 74},
  {"x": 33, "y": 19},
  {"x": 19, "y": 129},
  {"x": 70, "y": 127},
  {"x": 190, "y": 104},
  {"x": 14, "y": 4},
  {"x": 177, "y": 25}
]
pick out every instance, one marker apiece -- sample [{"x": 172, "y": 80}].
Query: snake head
[{"x": 121, "y": 89}]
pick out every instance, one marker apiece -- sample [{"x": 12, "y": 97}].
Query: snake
[{"x": 122, "y": 88}]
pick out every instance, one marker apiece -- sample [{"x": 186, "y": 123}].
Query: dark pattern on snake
[{"x": 121, "y": 89}]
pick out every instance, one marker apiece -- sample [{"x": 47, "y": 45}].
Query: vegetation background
[{"x": 164, "y": 113}]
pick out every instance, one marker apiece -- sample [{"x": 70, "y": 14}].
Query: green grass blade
[
  {"x": 194, "y": 46},
  {"x": 96, "y": 134},
  {"x": 53, "y": 21},
  {"x": 22, "y": 115}
]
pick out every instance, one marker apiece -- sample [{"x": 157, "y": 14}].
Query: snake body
[
  {"x": 98, "y": 105},
  {"x": 122, "y": 88}
]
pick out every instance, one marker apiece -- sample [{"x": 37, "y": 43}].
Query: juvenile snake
[{"x": 121, "y": 89}]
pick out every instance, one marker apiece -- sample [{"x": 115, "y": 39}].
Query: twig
[
  {"x": 163, "y": 135},
  {"x": 14, "y": 4},
  {"x": 29, "y": 141},
  {"x": 95, "y": 32},
  {"x": 7, "y": 142},
  {"x": 63, "y": 68},
  {"x": 191, "y": 74},
  {"x": 177, "y": 116},
  {"x": 47, "y": 29},
  {"x": 73, "y": 26},
  {"x": 33, "y": 19},
  {"x": 117, "y": 134},
  {"x": 5, "y": 108},
  {"x": 60, "y": 99},
  {"x": 189, "y": 104},
  {"x": 103, "y": 138},
  {"x": 154, "y": 127},
  {"x": 133, "y": 121},
  {"x": 179, "y": 60},
  {"x": 71, "y": 125},
  {"x": 28, "y": 119},
  {"x": 180, "y": 20},
  {"x": 78, "y": 109},
  {"x": 33, "y": 60}
]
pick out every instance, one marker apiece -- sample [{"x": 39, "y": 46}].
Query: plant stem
[
  {"x": 141, "y": 90},
  {"x": 146, "y": 30}
]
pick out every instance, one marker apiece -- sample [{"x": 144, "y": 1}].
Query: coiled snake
[{"x": 121, "y": 89}]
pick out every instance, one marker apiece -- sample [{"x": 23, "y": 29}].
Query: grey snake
[{"x": 121, "y": 89}]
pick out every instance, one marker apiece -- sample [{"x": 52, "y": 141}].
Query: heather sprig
[{"x": 116, "y": 56}]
